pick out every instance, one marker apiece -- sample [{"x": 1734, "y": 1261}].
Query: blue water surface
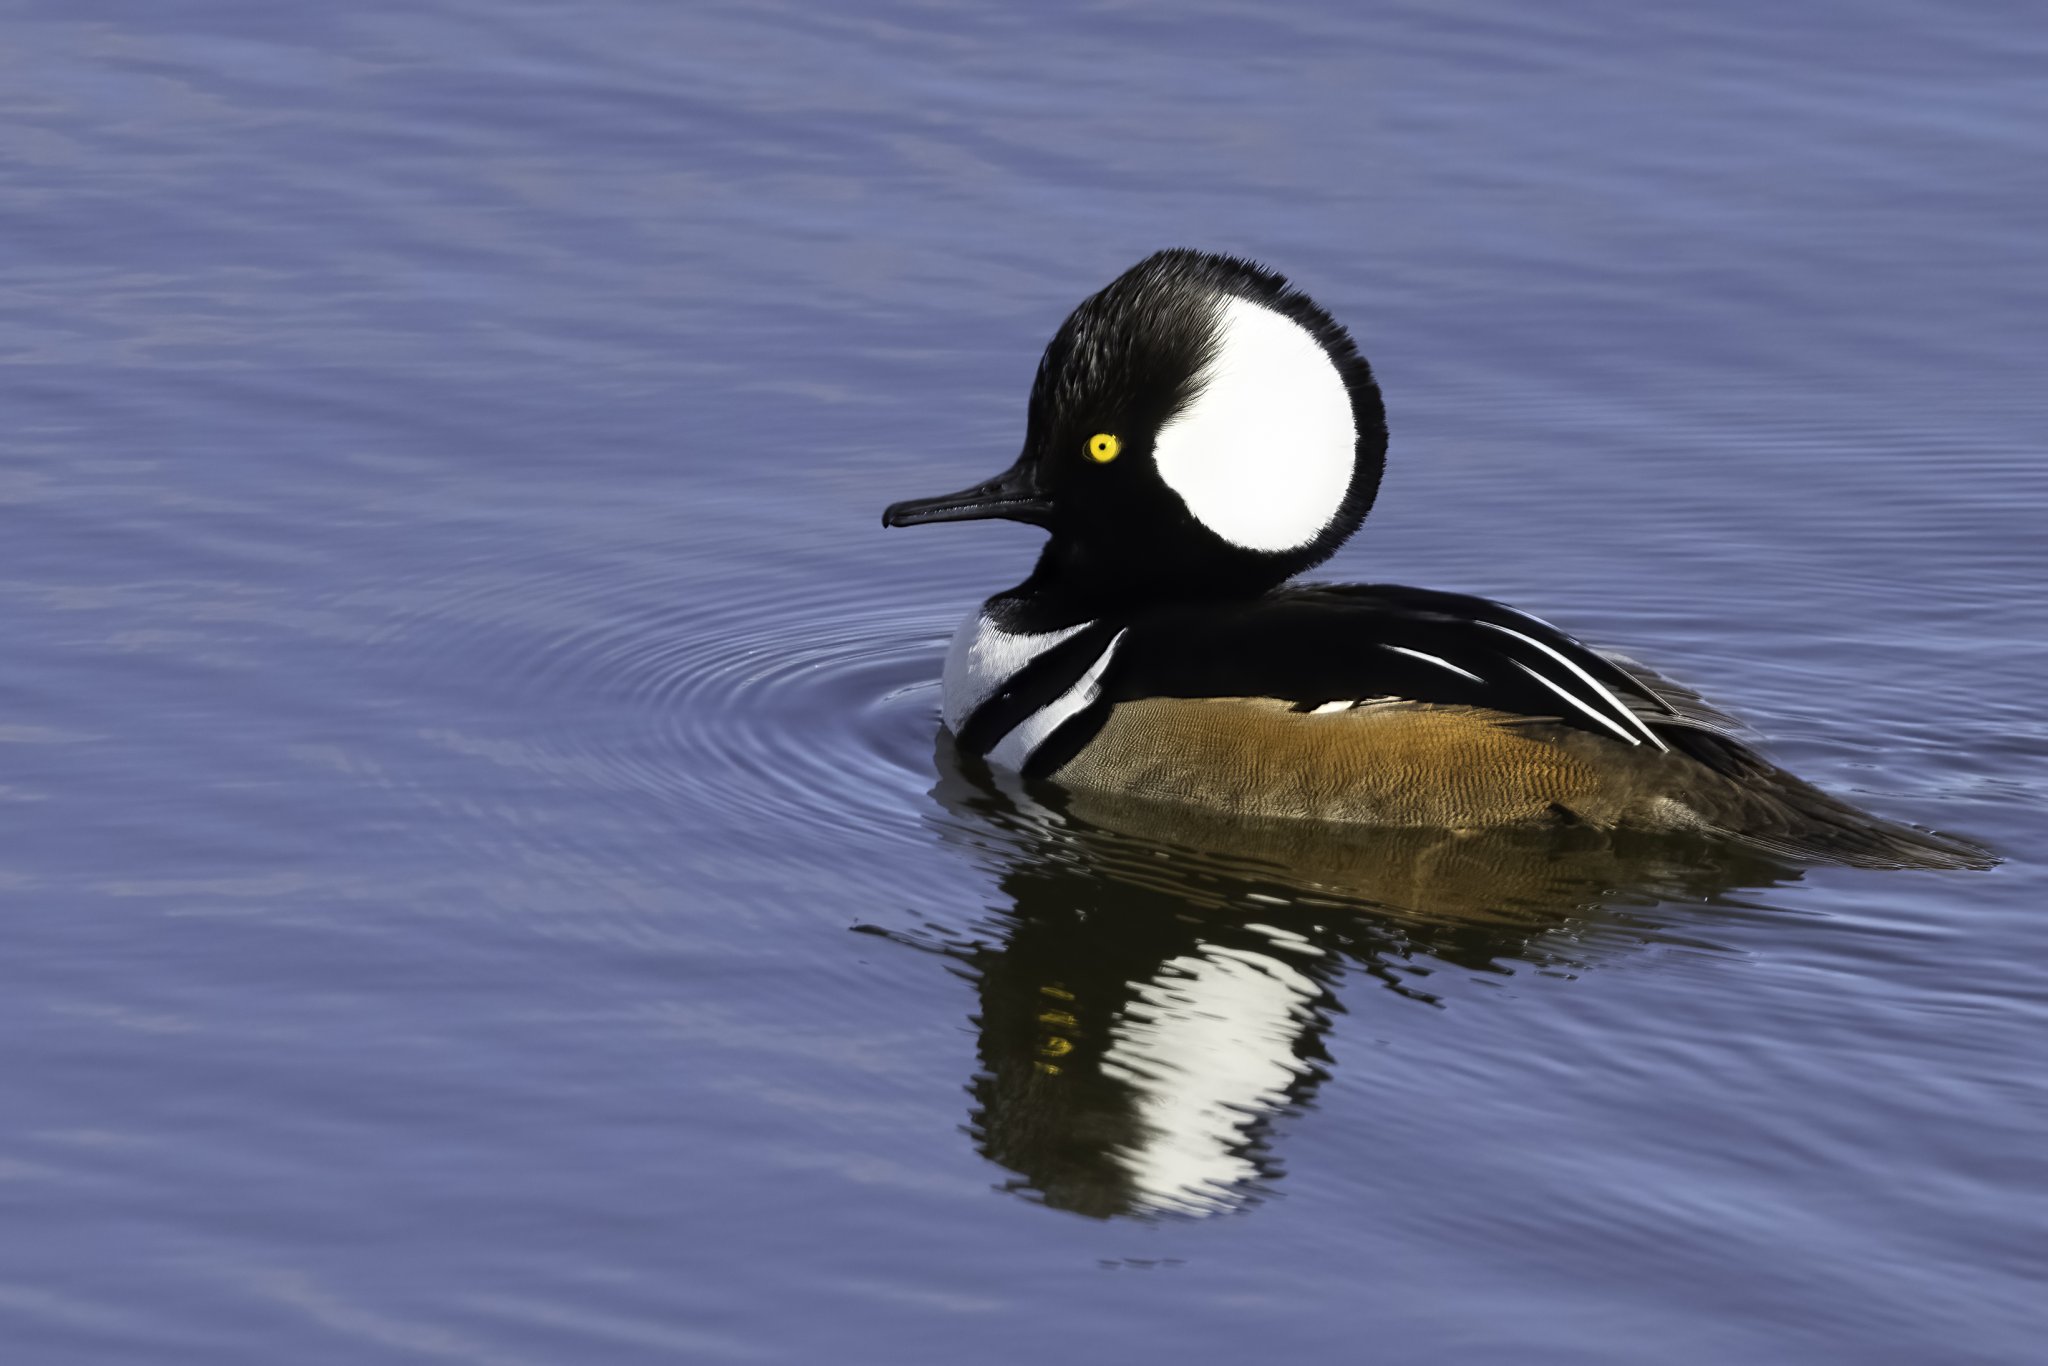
[{"x": 480, "y": 883}]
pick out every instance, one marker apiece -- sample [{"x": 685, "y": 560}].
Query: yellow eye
[{"x": 1103, "y": 448}]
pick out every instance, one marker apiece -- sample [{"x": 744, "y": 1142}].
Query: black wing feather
[{"x": 1315, "y": 645}]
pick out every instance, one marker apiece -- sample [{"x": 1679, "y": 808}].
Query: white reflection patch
[{"x": 1207, "y": 1046}]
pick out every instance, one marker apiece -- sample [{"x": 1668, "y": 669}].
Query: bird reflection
[{"x": 1157, "y": 983}]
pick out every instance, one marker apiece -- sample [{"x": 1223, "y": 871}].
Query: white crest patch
[
  {"x": 1264, "y": 454},
  {"x": 982, "y": 657}
]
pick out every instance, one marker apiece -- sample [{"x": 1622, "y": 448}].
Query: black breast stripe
[
  {"x": 1068, "y": 739},
  {"x": 1037, "y": 685}
]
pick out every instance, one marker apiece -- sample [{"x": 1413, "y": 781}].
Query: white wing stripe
[
  {"x": 1619, "y": 706},
  {"x": 1603, "y": 720},
  {"x": 1437, "y": 660}
]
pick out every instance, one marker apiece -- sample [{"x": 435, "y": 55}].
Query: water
[{"x": 481, "y": 883}]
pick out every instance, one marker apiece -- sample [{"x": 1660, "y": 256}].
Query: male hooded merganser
[{"x": 1200, "y": 432}]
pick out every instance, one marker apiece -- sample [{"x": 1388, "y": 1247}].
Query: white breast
[
  {"x": 983, "y": 656},
  {"x": 1015, "y": 749}
]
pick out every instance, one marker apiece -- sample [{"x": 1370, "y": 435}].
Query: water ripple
[{"x": 769, "y": 709}]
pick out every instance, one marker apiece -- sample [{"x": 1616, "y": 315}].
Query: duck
[{"x": 1200, "y": 434}]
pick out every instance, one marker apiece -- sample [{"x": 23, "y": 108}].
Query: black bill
[{"x": 1013, "y": 494}]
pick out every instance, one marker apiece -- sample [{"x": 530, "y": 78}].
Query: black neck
[{"x": 1068, "y": 586}]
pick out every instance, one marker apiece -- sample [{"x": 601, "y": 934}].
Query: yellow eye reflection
[{"x": 1103, "y": 448}]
